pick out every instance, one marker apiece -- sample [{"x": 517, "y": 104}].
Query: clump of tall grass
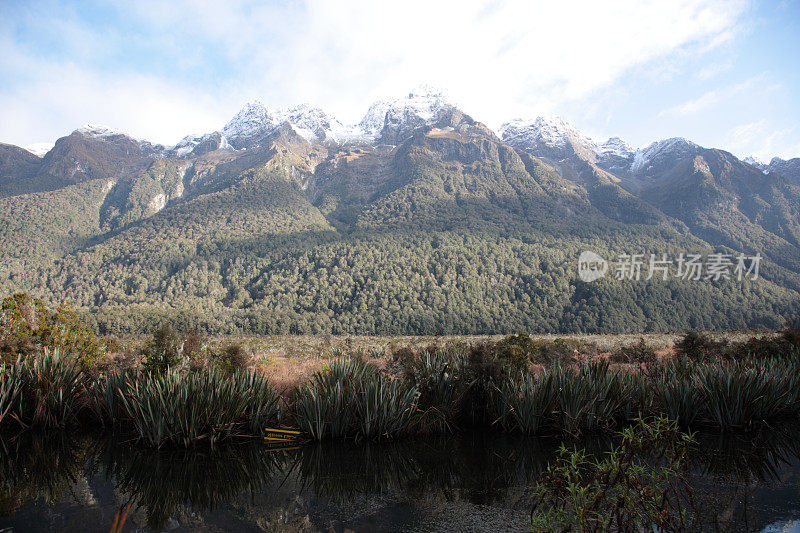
[
  {"x": 674, "y": 391},
  {"x": 737, "y": 395},
  {"x": 384, "y": 407},
  {"x": 351, "y": 398},
  {"x": 49, "y": 390},
  {"x": 527, "y": 402},
  {"x": 183, "y": 409},
  {"x": 10, "y": 385},
  {"x": 459, "y": 384},
  {"x": 589, "y": 399},
  {"x": 439, "y": 376},
  {"x": 574, "y": 401}
]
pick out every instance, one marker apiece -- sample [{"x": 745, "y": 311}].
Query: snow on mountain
[
  {"x": 389, "y": 120},
  {"x": 549, "y": 136},
  {"x": 99, "y": 131},
  {"x": 313, "y": 124},
  {"x": 751, "y": 160},
  {"x": 659, "y": 151},
  {"x": 615, "y": 147},
  {"x": 255, "y": 121},
  {"x": 200, "y": 144},
  {"x": 788, "y": 168},
  {"x": 39, "y": 148},
  {"x": 110, "y": 135}
]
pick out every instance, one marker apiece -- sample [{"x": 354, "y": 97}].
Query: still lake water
[{"x": 475, "y": 482}]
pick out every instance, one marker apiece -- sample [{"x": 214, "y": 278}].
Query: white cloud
[
  {"x": 69, "y": 97},
  {"x": 715, "y": 96},
  {"x": 498, "y": 60},
  {"x": 714, "y": 69},
  {"x": 763, "y": 141}
]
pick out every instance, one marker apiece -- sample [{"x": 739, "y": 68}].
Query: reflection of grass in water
[
  {"x": 729, "y": 469},
  {"x": 160, "y": 482},
  {"x": 756, "y": 457},
  {"x": 481, "y": 466},
  {"x": 34, "y": 466}
]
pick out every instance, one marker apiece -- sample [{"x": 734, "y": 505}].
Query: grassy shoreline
[
  {"x": 436, "y": 389},
  {"x": 183, "y": 389}
]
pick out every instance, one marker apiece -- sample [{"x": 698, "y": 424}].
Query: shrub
[
  {"x": 761, "y": 347},
  {"x": 20, "y": 318},
  {"x": 233, "y": 358},
  {"x": 560, "y": 351},
  {"x": 163, "y": 351},
  {"x": 194, "y": 344},
  {"x": 627, "y": 490},
  {"x": 640, "y": 353},
  {"x": 698, "y": 346},
  {"x": 791, "y": 334},
  {"x": 516, "y": 350},
  {"x": 27, "y": 326},
  {"x": 67, "y": 332}
]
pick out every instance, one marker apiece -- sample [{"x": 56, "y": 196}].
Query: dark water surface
[{"x": 475, "y": 482}]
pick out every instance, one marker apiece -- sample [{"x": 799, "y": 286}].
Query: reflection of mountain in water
[{"x": 476, "y": 481}]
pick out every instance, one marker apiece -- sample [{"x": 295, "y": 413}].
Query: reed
[
  {"x": 440, "y": 378},
  {"x": 589, "y": 399},
  {"x": 739, "y": 395},
  {"x": 527, "y": 402},
  {"x": 185, "y": 409},
  {"x": 51, "y": 390},
  {"x": 10, "y": 384},
  {"x": 351, "y": 398}
]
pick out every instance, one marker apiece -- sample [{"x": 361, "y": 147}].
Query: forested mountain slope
[{"x": 417, "y": 220}]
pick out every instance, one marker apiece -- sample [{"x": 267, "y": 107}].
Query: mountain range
[{"x": 418, "y": 219}]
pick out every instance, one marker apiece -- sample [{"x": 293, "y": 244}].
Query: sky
[{"x": 724, "y": 74}]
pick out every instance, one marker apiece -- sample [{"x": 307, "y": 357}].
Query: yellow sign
[{"x": 281, "y": 435}]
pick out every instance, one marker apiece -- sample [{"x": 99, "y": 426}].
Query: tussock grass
[{"x": 437, "y": 389}]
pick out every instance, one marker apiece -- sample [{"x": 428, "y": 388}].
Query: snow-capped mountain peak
[
  {"x": 552, "y": 136},
  {"x": 106, "y": 134},
  {"x": 253, "y": 120},
  {"x": 312, "y": 123},
  {"x": 99, "y": 131},
  {"x": 754, "y": 161},
  {"x": 39, "y": 148},
  {"x": 389, "y": 120},
  {"x": 652, "y": 155},
  {"x": 615, "y": 146}
]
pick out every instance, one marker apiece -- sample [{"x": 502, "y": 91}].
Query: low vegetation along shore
[{"x": 182, "y": 390}]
